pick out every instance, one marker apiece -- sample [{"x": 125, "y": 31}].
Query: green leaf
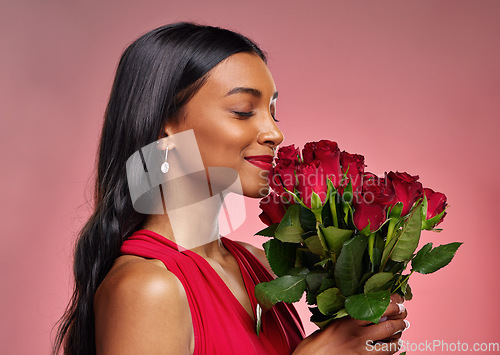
[
  {"x": 269, "y": 231},
  {"x": 340, "y": 314},
  {"x": 409, "y": 237},
  {"x": 326, "y": 284},
  {"x": 428, "y": 224},
  {"x": 307, "y": 219},
  {"x": 315, "y": 278},
  {"x": 314, "y": 245},
  {"x": 335, "y": 237},
  {"x": 326, "y": 215},
  {"x": 285, "y": 288},
  {"x": 426, "y": 262},
  {"x": 323, "y": 262},
  {"x": 395, "y": 211},
  {"x": 298, "y": 271},
  {"x": 281, "y": 256},
  {"x": 315, "y": 201},
  {"x": 289, "y": 229},
  {"x": 308, "y": 259},
  {"x": 368, "y": 306},
  {"x": 348, "y": 268},
  {"x": 363, "y": 280},
  {"x": 408, "y": 294},
  {"x": 379, "y": 282},
  {"x": 330, "y": 301},
  {"x": 421, "y": 254},
  {"x": 402, "y": 245}
]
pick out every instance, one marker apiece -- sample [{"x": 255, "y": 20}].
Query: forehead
[{"x": 240, "y": 70}]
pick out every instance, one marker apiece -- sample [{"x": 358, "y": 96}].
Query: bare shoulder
[
  {"x": 141, "y": 307},
  {"x": 260, "y": 254}
]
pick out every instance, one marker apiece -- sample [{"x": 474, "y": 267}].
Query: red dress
[{"x": 221, "y": 324}]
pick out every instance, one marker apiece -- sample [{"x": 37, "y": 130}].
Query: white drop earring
[{"x": 165, "y": 166}]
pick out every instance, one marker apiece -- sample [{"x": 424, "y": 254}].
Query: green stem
[
  {"x": 326, "y": 252},
  {"x": 333, "y": 209},
  {"x": 371, "y": 241},
  {"x": 319, "y": 218},
  {"x": 390, "y": 230},
  {"x": 405, "y": 280}
]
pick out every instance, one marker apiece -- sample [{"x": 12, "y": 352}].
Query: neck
[{"x": 194, "y": 227}]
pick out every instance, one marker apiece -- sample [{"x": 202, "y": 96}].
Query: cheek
[{"x": 222, "y": 145}]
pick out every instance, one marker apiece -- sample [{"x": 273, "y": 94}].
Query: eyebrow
[{"x": 251, "y": 91}]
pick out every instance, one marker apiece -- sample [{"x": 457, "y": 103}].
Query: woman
[{"x": 132, "y": 295}]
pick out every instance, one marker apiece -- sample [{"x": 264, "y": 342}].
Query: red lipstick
[{"x": 261, "y": 161}]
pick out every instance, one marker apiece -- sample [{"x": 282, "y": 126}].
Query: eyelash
[{"x": 249, "y": 114}]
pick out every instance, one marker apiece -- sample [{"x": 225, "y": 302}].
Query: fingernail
[
  {"x": 398, "y": 331},
  {"x": 407, "y": 324},
  {"x": 402, "y": 308},
  {"x": 382, "y": 319}
]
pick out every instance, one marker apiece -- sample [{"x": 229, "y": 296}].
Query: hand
[{"x": 351, "y": 336}]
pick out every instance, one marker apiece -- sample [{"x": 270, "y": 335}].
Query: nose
[{"x": 270, "y": 134}]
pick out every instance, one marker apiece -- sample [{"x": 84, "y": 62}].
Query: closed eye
[{"x": 243, "y": 114}]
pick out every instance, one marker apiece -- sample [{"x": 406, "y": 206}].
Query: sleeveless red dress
[{"x": 221, "y": 324}]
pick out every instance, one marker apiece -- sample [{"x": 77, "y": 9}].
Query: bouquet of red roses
[{"x": 344, "y": 236}]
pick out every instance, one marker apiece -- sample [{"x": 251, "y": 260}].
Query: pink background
[{"x": 412, "y": 85}]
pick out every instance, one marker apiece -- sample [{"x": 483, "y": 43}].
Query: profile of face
[{"x": 233, "y": 119}]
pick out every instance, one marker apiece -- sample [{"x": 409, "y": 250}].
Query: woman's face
[{"x": 232, "y": 116}]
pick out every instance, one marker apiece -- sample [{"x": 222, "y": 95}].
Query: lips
[{"x": 261, "y": 161}]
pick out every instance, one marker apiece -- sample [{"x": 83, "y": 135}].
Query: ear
[{"x": 171, "y": 128}]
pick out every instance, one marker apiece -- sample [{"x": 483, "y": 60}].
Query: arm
[{"x": 142, "y": 309}]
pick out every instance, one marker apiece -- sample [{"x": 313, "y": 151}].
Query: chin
[{"x": 258, "y": 191}]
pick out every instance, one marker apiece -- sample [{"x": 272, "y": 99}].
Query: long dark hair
[{"x": 156, "y": 76}]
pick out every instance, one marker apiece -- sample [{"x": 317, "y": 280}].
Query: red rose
[
  {"x": 289, "y": 152},
  {"x": 407, "y": 189},
  {"x": 436, "y": 203},
  {"x": 283, "y": 176},
  {"x": 311, "y": 178},
  {"x": 273, "y": 209},
  {"x": 378, "y": 190},
  {"x": 328, "y": 153},
  {"x": 354, "y": 164},
  {"x": 365, "y": 213}
]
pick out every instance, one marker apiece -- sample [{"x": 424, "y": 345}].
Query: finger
[
  {"x": 386, "y": 329},
  {"x": 403, "y": 313},
  {"x": 394, "y": 309},
  {"x": 394, "y": 337},
  {"x": 396, "y": 297}
]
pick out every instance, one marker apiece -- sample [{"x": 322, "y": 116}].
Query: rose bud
[
  {"x": 273, "y": 209},
  {"x": 354, "y": 164},
  {"x": 311, "y": 178},
  {"x": 407, "y": 189},
  {"x": 289, "y": 152},
  {"x": 436, "y": 204},
  {"x": 368, "y": 213},
  {"x": 378, "y": 190},
  {"x": 328, "y": 153},
  {"x": 283, "y": 176}
]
